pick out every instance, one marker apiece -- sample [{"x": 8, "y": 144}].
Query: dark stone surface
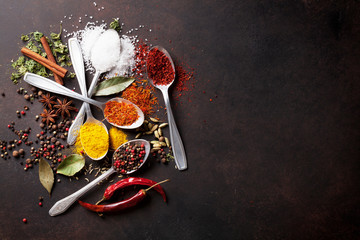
[{"x": 274, "y": 155}]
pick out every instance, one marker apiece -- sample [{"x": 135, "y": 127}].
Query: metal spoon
[
  {"x": 54, "y": 87},
  {"x": 62, "y": 205},
  {"x": 177, "y": 145},
  {"x": 78, "y": 63}
]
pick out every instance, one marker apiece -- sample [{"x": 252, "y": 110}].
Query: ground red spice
[
  {"x": 159, "y": 68},
  {"x": 141, "y": 52},
  {"x": 120, "y": 113},
  {"x": 141, "y": 95}
]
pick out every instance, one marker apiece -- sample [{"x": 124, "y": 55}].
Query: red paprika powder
[{"x": 159, "y": 67}]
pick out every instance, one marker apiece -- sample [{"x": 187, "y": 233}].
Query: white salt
[
  {"x": 87, "y": 38},
  {"x": 105, "y": 52},
  {"x": 127, "y": 59}
]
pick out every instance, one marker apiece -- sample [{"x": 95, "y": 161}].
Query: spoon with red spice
[
  {"x": 144, "y": 149},
  {"x": 161, "y": 73},
  {"x": 117, "y": 111}
]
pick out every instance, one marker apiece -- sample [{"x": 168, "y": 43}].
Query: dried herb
[
  {"x": 56, "y": 36},
  {"x": 46, "y": 175},
  {"x": 142, "y": 96},
  {"x": 113, "y": 85},
  {"x": 33, "y": 42},
  {"x": 64, "y": 107},
  {"x": 115, "y": 25},
  {"x": 71, "y": 165}
]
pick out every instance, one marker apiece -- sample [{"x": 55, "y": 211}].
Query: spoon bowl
[
  {"x": 51, "y": 86},
  {"x": 62, "y": 205},
  {"x": 175, "y": 138},
  {"x": 93, "y": 120}
]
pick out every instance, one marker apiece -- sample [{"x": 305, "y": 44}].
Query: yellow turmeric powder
[
  {"x": 94, "y": 139},
  {"x": 117, "y": 137}
]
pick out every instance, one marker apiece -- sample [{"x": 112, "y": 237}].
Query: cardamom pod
[
  {"x": 163, "y": 125},
  {"x": 167, "y": 142},
  {"x": 154, "y": 127},
  {"x": 157, "y": 146},
  {"x": 163, "y": 144},
  {"x": 154, "y": 120},
  {"x": 138, "y": 135},
  {"x": 156, "y": 133},
  {"x": 159, "y": 131}
]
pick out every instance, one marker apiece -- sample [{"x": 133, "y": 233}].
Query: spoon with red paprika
[
  {"x": 62, "y": 205},
  {"x": 122, "y": 205},
  {"x": 161, "y": 73}
]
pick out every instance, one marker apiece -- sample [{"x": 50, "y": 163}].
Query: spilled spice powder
[
  {"x": 117, "y": 137},
  {"x": 141, "y": 52},
  {"x": 141, "y": 95}
]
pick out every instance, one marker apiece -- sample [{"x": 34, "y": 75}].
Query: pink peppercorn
[{"x": 24, "y": 220}]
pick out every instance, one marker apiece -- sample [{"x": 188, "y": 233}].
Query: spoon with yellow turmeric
[{"x": 94, "y": 136}]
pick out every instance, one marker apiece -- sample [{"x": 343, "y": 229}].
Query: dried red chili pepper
[
  {"x": 118, "y": 206},
  {"x": 131, "y": 181}
]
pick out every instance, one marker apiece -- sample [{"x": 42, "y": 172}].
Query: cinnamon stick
[
  {"x": 51, "y": 57},
  {"x": 45, "y": 62}
]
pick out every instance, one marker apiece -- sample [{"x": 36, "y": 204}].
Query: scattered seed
[
  {"x": 167, "y": 142},
  {"x": 156, "y": 133},
  {"x": 163, "y": 125},
  {"x": 154, "y": 120}
]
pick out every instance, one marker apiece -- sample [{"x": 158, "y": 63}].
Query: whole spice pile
[{"x": 129, "y": 157}]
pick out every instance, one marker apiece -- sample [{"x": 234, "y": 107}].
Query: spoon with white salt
[
  {"x": 51, "y": 86},
  {"x": 105, "y": 54},
  {"x": 78, "y": 63}
]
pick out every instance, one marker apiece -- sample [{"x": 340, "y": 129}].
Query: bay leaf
[
  {"x": 71, "y": 165},
  {"x": 113, "y": 85},
  {"x": 46, "y": 175}
]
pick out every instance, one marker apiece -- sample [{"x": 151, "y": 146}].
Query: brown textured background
[{"x": 275, "y": 155}]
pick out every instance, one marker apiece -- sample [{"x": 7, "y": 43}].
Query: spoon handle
[
  {"x": 175, "y": 138},
  {"x": 54, "y": 87},
  {"x": 78, "y": 64},
  {"x": 90, "y": 92},
  {"x": 62, "y": 205}
]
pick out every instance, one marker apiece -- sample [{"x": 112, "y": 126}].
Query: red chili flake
[{"x": 159, "y": 67}]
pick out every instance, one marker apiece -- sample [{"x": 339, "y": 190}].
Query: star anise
[
  {"x": 47, "y": 100},
  {"x": 48, "y": 116},
  {"x": 64, "y": 107}
]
